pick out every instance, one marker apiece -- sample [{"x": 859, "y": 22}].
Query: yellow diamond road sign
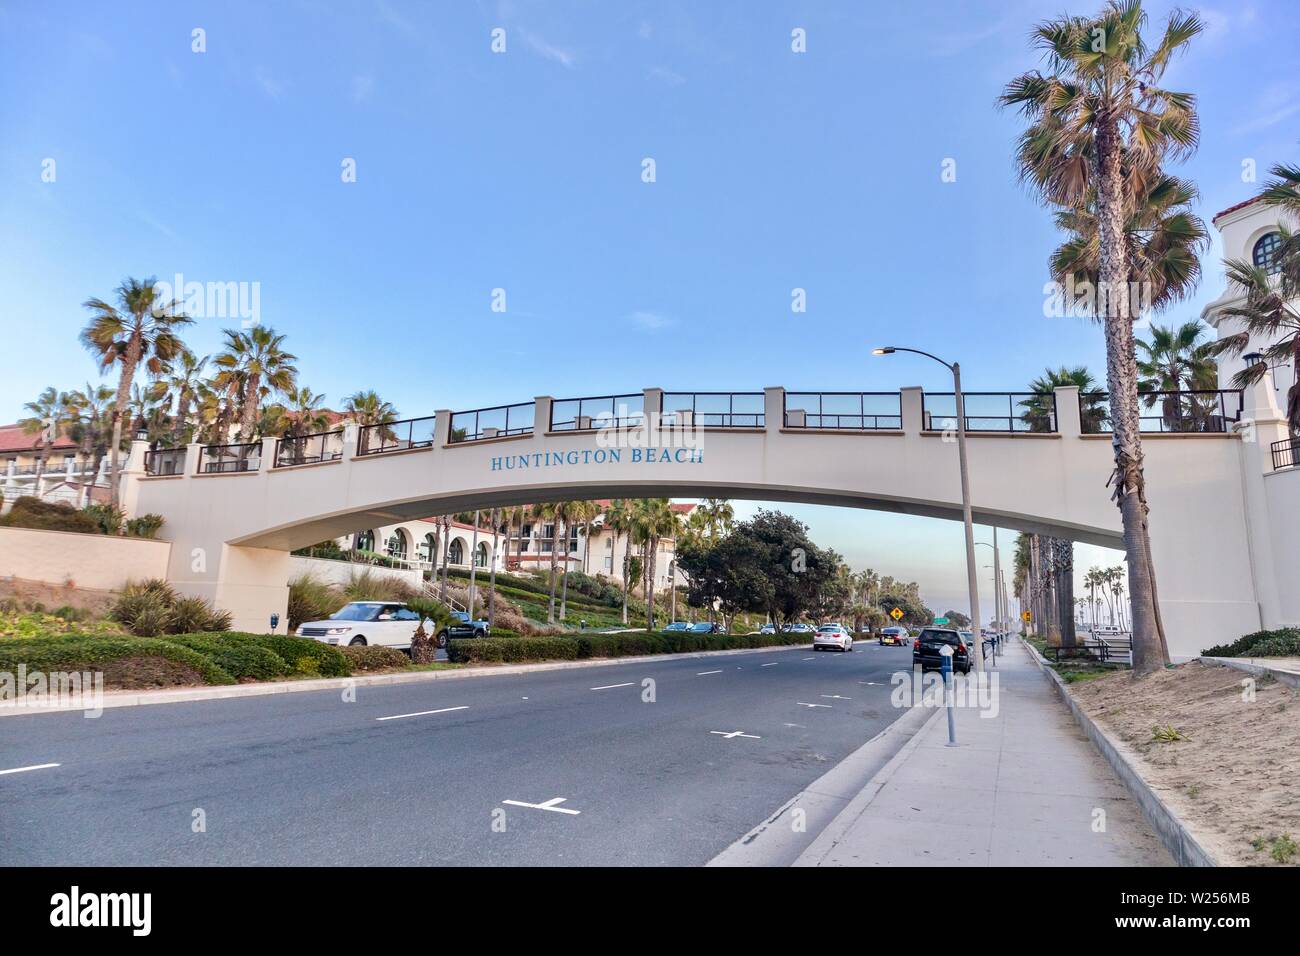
[
  {"x": 1026, "y": 616},
  {"x": 896, "y": 614}
]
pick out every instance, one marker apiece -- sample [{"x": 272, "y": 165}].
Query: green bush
[
  {"x": 108, "y": 518},
  {"x": 311, "y": 599},
  {"x": 367, "y": 585},
  {"x": 1283, "y": 642},
  {"x": 511, "y": 650},
  {"x": 145, "y": 526},
  {"x": 372, "y": 658},
  {"x": 30, "y": 512},
  {"x": 500, "y": 649},
  {"x": 193, "y": 615},
  {"x": 243, "y": 660},
  {"x": 152, "y": 608},
  {"x": 302, "y": 654},
  {"x": 79, "y": 652}
]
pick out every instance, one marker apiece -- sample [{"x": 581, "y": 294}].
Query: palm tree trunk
[
  {"x": 251, "y": 401},
  {"x": 120, "y": 403},
  {"x": 627, "y": 572},
  {"x": 1149, "y": 651},
  {"x": 555, "y": 548},
  {"x": 492, "y": 574}
]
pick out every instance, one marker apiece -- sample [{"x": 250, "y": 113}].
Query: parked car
[
  {"x": 1109, "y": 632},
  {"x": 462, "y": 629},
  {"x": 767, "y": 629},
  {"x": 704, "y": 627},
  {"x": 381, "y": 623},
  {"x": 832, "y": 635},
  {"x": 799, "y": 628},
  {"x": 925, "y": 649},
  {"x": 894, "y": 635},
  {"x": 678, "y": 626}
]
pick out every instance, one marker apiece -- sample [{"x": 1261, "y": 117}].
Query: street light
[{"x": 972, "y": 585}]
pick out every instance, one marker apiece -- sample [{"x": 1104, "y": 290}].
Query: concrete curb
[
  {"x": 1173, "y": 831},
  {"x": 826, "y": 800},
  {"x": 226, "y": 692},
  {"x": 1290, "y": 678}
]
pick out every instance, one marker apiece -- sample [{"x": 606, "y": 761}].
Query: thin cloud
[
  {"x": 651, "y": 321},
  {"x": 667, "y": 76},
  {"x": 270, "y": 86},
  {"x": 544, "y": 48},
  {"x": 1277, "y": 104},
  {"x": 362, "y": 87}
]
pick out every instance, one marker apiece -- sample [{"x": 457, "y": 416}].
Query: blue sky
[{"x": 522, "y": 171}]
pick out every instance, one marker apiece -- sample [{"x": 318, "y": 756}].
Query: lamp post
[{"x": 972, "y": 585}]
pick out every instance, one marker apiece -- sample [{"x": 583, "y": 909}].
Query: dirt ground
[
  {"x": 1235, "y": 777},
  {"x": 53, "y": 595}
]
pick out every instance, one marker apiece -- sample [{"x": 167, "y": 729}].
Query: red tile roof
[
  {"x": 1240, "y": 205},
  {"x": 14, "y": 439}
]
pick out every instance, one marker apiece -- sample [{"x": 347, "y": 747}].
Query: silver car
[{"x": 832, "y": 635}]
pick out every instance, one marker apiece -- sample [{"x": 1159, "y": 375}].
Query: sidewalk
[{"x": 1022, "y": 788}]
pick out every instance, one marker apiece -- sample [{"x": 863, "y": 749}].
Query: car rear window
[{"x": 939, "y": 637}]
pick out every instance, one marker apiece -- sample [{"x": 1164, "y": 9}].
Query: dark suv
[
  {"x": 925, "y": 649},
  {"x": 463, "y": 627}
]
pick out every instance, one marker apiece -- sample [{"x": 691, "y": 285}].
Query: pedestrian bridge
[{"x": 1037, "y": 463}]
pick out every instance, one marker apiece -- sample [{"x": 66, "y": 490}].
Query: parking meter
[
  {"x": 275, "y": 622},
  {"x": 945, "y": 669}
]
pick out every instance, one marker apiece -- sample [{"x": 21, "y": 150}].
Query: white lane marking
[
  {"x": 733, "y": 735},
  {"x": 707, "y": 673},
  {"x": 550, "y": 804},
  {"x": 612, "y": 686},
  {"x": 424, "y": 713},
  {"x": 835, "y": 697},
  {"x": 802, "y": 704},
  {"x": 813, "y": 658},
  {"x": 869, "y": 683},
  {"x": 773, "y": 664},
  {"x": 37, "y": 766}
]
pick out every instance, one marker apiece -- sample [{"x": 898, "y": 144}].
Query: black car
[
  {"x": 925, "y": 649},
  {"x": 463, "y": 628}
]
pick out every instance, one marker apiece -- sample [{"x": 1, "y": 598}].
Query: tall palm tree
[
  {"x": 141, "y": 329},
  {"x": 620, "y": 516},
  {"x": 93, "y": 428},
  {"x": 257, "y": 359},
  {"x": 183, "y": 379},
  {"x": 658, "y": 521},
  {"x": 149, "y": 413},
  {"x": 1100, "y": 123},
  {"x": 367, "y": 408},
  {"x": 1176, "y": 360},
  {"x": 495, "y": 518},
  {"x": 52, "y": 414},
  {"x": 1040, "y": 406}
]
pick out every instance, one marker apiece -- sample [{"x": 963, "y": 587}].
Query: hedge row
[
  {"x": 1283, "y": 642},
  {"x": 496, "y": 649},
  {"x": 220, "y": 658}
]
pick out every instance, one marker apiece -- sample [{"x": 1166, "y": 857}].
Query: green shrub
[
  {"x": 30, "y": 512},
  {"x": 79, "y": 652},
  {"x": 367, "y": 585},
  {"x": 1260, "y": 644},
  {"x": 145, "y": 526},
  {"x": 511, "y": 650},
  {"x": 302, "y": 654},
  {"x": 311, "y": 599},
  {"x": 192, "y": 615},
  {"x": 108, "y": 518},
  {"x": 153, "y": 608},
  {"x": 243, "y": 660},
  {"x": 372, "y": 658}
]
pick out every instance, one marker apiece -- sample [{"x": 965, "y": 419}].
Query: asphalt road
[{"x": 309, "y": 779}]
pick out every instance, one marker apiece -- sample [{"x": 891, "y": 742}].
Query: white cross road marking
[
  {"x": 773, "y": 664},
  {"x": 802, "y": 704},
  {"x": 424, "y": 713},
  {"x": 550, "y": 804},
  {"x": 734, "y": 734},
  {"x": 612, "y": 686},
  {"x": 835, "y": 697},
  {"x": 707, "y": 673},
  {"x": 38, "y": 766}
]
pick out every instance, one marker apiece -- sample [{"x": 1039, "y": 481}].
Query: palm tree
[
  {"x": 620, "y": 517},
  {"x": 1176, "y": 360},
  {"x": 93, "y": 429},
  {"x": 53, "y": 413},
  {"x": 1040, "y": 408},
  {"x": 367, "y": 408},
  {"x": 183, "y": 379},
  {"x": 1099, "y": 123},
  {"x": 257, "y": 360},
  {"x": 139, "y": 330},
  {"x": 148, "y": 412},
  {"x": 658, "y": 521},
  {"x": 495, "y": 518}
]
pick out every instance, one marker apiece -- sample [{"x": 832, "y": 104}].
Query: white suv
[{"x": 382, "y": 623}]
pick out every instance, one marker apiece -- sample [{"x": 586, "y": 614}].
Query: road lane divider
[
  {"x": 36, "y": 766},
  {"x": 425, "y": 713}
]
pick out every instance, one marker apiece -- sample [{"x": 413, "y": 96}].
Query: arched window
[
  {"x": 429, "y": 548},
  {"x": 397, "y": 544},
  {"x": 456, "y": 553},
  {"x": 1265, "y": 253},
  {"x": 481, "y": 558},
  {"x": 366, "y": 541}
]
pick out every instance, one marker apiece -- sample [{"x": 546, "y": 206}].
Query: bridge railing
[
  {"x": 1286, "y": 453},
  {"x": 1169, "y": 412},
  {"x": 395, "y": 436},
  {"x": 601, "y": 411},
  {"x": 165, "y": 461},
  {"x": 991, "y": 411},
  {"x": 713, "y": 409},
  {"x": 499, "y": 421},
  {"x": 230, "y": 459},
  {"x": 309, "y": 449},
  {"x": 854, "y": 411}
]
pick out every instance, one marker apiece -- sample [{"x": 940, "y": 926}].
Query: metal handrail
[
  {"x": 1286, "y": 453},
  {"x": 712, "y": 417},
  {"x": 165, "y": 461},
  {"x": 470, "y": 425},
  {"x": 1196, "y": 411},
  {"x": 591, "y": 413},
  {"x": 984, "y": 412},
  {"x": 850, "y": 418},
  {"x": 227, "y": 459},
  {"x": 308, "y": 449},
  {"x": 396, "y": 436}
]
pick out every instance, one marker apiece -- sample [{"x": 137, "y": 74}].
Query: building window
[
  {"x": 609, "y": 544},
  {"x": 481, "y": 556},
  {"x": 397, "y": 544},
  {"x": 1265, "y": 253},
  {"x": 366, "y": 541},
  {"x": 609, "y": 564},
  {"x": 456, "y": 553}
]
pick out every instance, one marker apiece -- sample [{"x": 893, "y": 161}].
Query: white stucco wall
[
  {"x": 340, "y": 572},
  {"x": 100, "y": 561}
]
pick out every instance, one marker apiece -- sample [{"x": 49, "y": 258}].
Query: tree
[
  {"x": 659, "y": 521},
  {"x": 257, "y": 361},
  {"x": 620, "y": 516},
  {"x": 93, "y": 428},
  {"x": 1040, "y": 407},
  {"x": 726, "y": 575},
  {"x": 183, "y": 379},
  {"x": 1176, "y": 360},
  {"x": 51, "y": 414},
  {"x": 957, "y": 619},
  {"x": 139, "y": 330},
  {"x": 795, "y": 568},
  {"x": 1100, "y": 123}
]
